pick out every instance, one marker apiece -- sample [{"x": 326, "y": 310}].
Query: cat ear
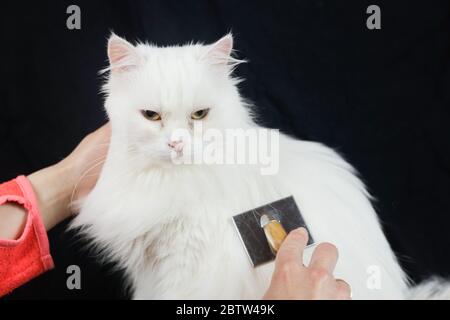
[
  {"x": 219, "y": 53},
  {"x": 122, "y": 54}
]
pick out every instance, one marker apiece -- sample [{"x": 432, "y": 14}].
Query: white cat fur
[{"x": 170, "y": 225}]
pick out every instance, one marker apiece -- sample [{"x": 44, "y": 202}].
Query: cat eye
[
  {"x": 199, "y": 114},
  {"x": 151, "y": 115}
]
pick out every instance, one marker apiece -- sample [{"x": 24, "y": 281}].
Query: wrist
[{"x": 53, "y": 187}]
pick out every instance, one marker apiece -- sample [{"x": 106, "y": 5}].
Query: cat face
[{"x": 155, "y": 93}]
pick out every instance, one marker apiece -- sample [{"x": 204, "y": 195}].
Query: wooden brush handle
[{"x": 275, "y": 235}]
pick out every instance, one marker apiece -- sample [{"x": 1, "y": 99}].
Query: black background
[{"x": 381, "y": 97}]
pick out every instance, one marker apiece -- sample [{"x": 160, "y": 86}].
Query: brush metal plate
[{"x": 248, "y": 225}]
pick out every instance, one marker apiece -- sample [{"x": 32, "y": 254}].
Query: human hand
[
  {"x": 292, "y": 280},
  {"x": 86, "y": 162},
  {"x": 72, "y": 178}
]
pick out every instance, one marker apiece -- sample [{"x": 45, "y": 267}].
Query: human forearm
[
  {"x": 53, "y": 189},
  {"x": 13, "y": 218}
]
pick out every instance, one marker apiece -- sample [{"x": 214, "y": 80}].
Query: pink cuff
[{"x": 27, "y": 257}]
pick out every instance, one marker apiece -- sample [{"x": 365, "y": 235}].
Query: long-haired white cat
[{"x": 170, "y": 225}]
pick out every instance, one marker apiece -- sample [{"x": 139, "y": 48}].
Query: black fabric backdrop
[{"x": 380, "y": 97}]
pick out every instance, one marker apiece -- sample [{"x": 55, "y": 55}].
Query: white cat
[{"x": 170, "y": 225}]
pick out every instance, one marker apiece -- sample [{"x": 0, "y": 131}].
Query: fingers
[
  {"x": 325, "y": 257},
  {"x": 291, "y": 249},
  {"x": 104, "y": 132},
  {"x": 106, "y": 128},
  {"x": 344, "y": 291}
]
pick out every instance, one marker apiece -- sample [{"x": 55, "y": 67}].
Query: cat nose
[{"x": 176, "y": 145}]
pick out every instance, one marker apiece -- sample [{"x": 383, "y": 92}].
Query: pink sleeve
[{"x": 27, "y": 257}]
